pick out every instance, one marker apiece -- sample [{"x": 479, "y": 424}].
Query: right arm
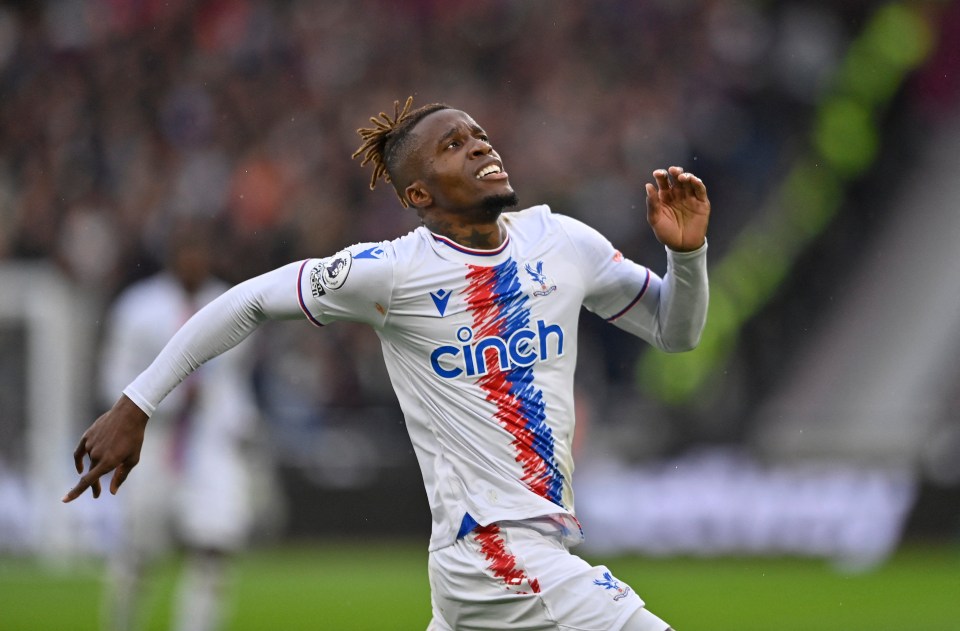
[
  {"x": 114, "y": 440},
  {"x": 215, "y": 329}
]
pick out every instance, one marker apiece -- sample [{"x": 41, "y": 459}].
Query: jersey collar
[{"x": 452, "y": 250}]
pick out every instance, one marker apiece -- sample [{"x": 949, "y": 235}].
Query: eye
[{"x": 453, "y": 144}]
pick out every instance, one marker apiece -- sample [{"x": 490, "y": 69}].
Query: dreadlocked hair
[{"x": 385, "y": 143}]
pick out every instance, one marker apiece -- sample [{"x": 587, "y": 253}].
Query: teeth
[{"x": 493, "y": 168}]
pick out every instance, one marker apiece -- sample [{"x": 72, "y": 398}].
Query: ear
[{"x": 417, "y": 195}]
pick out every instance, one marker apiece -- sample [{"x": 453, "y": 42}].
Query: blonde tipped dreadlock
[
  {"x": 385, "y": 145},
  {"x": 374, "y": 139}
]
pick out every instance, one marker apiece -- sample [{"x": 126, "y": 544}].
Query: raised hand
[
  {"x": 678, "y": 209},
  {"x": 112, "y": 443}
]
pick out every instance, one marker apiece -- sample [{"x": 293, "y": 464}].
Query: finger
[
  {"x": 91, "y": 479},
  {"x": 78, "y": 454},
  {"x": 76, "y": 491},
  {"x": 662, "y": 178},
  {"x": 695, "y": 186},
  {"x": 653, "y": 203},
  {"x": 700, "y": 188},
  {"x": 119, "y": 476},
  {"x": 674, "y": 174},
  {"x": 95, "y": 483}
]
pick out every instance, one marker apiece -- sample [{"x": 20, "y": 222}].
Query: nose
[{"x": 480, "y": 148}]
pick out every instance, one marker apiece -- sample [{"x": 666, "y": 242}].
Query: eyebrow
[{"x": 453, "y": 131}]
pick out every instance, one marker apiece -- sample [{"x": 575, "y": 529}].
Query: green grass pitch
[{"x": 383, "y": 585}]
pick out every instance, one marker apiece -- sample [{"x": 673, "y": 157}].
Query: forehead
[{"x": 441, "y": 123}]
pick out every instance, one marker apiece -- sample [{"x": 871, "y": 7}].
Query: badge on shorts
[
  {"x": 333, "y": 271},
  {"x": 610, "y": 583}
]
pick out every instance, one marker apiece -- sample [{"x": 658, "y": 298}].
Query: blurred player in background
[
  {"x": 194, "y": 491},
  {"x": 477, "y": 313}
]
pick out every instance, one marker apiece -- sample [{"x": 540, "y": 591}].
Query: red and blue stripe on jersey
[{"x": 499, "y": 307}]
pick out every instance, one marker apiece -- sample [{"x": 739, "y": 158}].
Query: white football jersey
[{"x": 481, "y": 347}]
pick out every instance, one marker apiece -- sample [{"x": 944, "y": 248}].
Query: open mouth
[{"x": 490, "y": 170}]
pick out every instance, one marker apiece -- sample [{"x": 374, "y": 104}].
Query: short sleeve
[
  {"x": 613, "y": 283},
  {"x": 355, "y": 284}
]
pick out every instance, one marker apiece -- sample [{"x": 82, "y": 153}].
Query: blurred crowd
[{"x": 119, "y": 119}]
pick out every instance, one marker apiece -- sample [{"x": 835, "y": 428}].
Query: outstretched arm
[{"x": 113, "y": 441}]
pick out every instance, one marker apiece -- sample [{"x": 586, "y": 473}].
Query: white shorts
[{"x": 520, "y": 575}]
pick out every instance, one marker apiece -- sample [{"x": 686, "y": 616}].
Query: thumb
[{"x": 653, "y": 203}]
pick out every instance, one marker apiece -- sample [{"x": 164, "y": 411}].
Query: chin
[{"x": 501, "y": 201}]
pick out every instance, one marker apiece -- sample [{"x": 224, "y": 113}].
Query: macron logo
[{"x": 440, "y": 299}]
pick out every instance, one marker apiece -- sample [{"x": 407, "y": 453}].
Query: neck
[{"x": 486, "y": 234}]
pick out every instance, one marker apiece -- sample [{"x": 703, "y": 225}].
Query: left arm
[
  {"x": 672, "y": 311},
  {"x": 678, "y": 211},
  {"x": 668, "y": 312}
]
